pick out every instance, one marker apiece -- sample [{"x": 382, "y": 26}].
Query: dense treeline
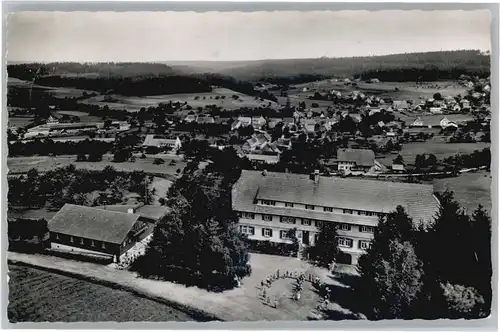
[
  {"x": 439, "y": 270},
  {"x": 130, "y": 86},
  {"x": 70, "y": 185},
  {"x": 28, "y": 235},
  {"x": 48, "y": 147},
  {"x": 100, "y": 69},
  {"x": 472, "y": 60},
  {"x": 289, "y": 80},
  {"x": 476, "y": 159},
  {"x": 422, "y": 74}
]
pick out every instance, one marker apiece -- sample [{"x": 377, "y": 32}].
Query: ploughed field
[{"x": 40, "y": 296}]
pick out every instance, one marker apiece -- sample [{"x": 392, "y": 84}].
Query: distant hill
[
  {"x": 444, "y": 63},
  {"x": 95, "y": 70}
]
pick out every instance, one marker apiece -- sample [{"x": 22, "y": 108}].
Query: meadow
[
  {"x": 406, "y": 90},
  {"x": 40, "y": 296},
  {"x": 470, "y": 189},
  {"x": 43, "y": 164},
  {"x": 195, "y": 100},
  {"x": 435, "y": 146}
]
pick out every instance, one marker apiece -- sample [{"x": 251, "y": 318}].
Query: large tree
[
  {"x": 198, "y": 241},
  {"x": 390, "y": 271},
  {"x": 325, "y": 250}
]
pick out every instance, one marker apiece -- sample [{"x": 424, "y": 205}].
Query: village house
[
  {"x": 398, "y": 168},
  {"x": 96, "y": 231},
  {"x": 160, "y": 142},
  {"x": 417, "y": 123},
  {"x": 269, "y": 204},
  {"x": 400, "y": 105},
  {"x": 465, "y": 104},
  {"x": 355, "y": 160},
  {"x": 256, "y": 142},
  {"x": 205, "y": 119},
  {"x": 258, "y": 122},
  {"x": 445, "y": 123},
  {"x": 190, "y": 118}
]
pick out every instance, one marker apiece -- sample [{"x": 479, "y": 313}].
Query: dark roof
[
  {"x": 367, "y": 195},
  {"x": 92, "y": 223},
  {"x": 361, "y": 157},
  {"x": 146, "y": 211}
]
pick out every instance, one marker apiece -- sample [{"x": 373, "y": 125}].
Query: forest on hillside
[
  {"x": 435, "y": 65},
  {"x": 30, "y": 71}
]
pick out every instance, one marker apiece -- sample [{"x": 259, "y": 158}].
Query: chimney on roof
[{"x": 315, "y": 176}]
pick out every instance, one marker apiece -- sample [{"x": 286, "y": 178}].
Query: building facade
[
  {"x": 95, "y": 231},
  {"x": 269, "y": 204}
]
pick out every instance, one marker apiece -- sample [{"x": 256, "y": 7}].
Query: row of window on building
[
  {"x": 326, "y": 209},
  {"x": 81, "y": 241},
  {"x": 306, "y": 222},
  {"x": 285, "y": 235}
]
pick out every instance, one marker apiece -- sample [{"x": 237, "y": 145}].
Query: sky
[{"x": 232, "y": 36}]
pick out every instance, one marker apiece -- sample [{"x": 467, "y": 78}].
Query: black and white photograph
[{"x": 245, "y": 166}]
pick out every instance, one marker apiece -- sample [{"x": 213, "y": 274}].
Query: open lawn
[
  {"x": 470, "y": 189},
  {"x": 134, "y": 104},
  {"x": 240, "y": 304},
  {"x": 58, "y": 92},
  {"x": 20, "y": 122},
  {"x": 40, "y": 296},
  {"x": 45, "y": 163},
  {"x": 407, "y": 90},
  {"x": 161, "y": 187},
  {"x": 435, "y": 146}
]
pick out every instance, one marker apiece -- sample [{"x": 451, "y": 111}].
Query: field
[
  {"x": 58, "y": 92},
  {"x": 39, "y": 296},
  {"x": 470, "y": 189},
  {"x": 407, "y": 90},
  {"x": 134, "y": 104},
  {"x": 43, "y": 164},
  {"x": 20, "y": 122},
  {"x": 435, "y": 146}
]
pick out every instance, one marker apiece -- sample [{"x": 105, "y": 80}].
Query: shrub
[{"x": 81, "y": 157}]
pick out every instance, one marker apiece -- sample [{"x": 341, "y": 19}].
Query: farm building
[
  {"x": 355, "y": 159},
  {"x": 269, "y": 204},
  {"x": 159, "y": 141},
  {"x": 417, "y": 123},
  {"x": 263, "y": 159},
  {"x": 95, "y": 231}
]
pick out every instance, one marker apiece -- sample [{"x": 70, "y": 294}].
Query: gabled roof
[
  {"x": 92, "y": 223},
  {"x": 367, "y": 195},
  {"x": 361, "y": 157}
]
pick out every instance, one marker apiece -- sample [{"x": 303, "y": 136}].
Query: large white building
[{"x": 269, "y": 204}]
